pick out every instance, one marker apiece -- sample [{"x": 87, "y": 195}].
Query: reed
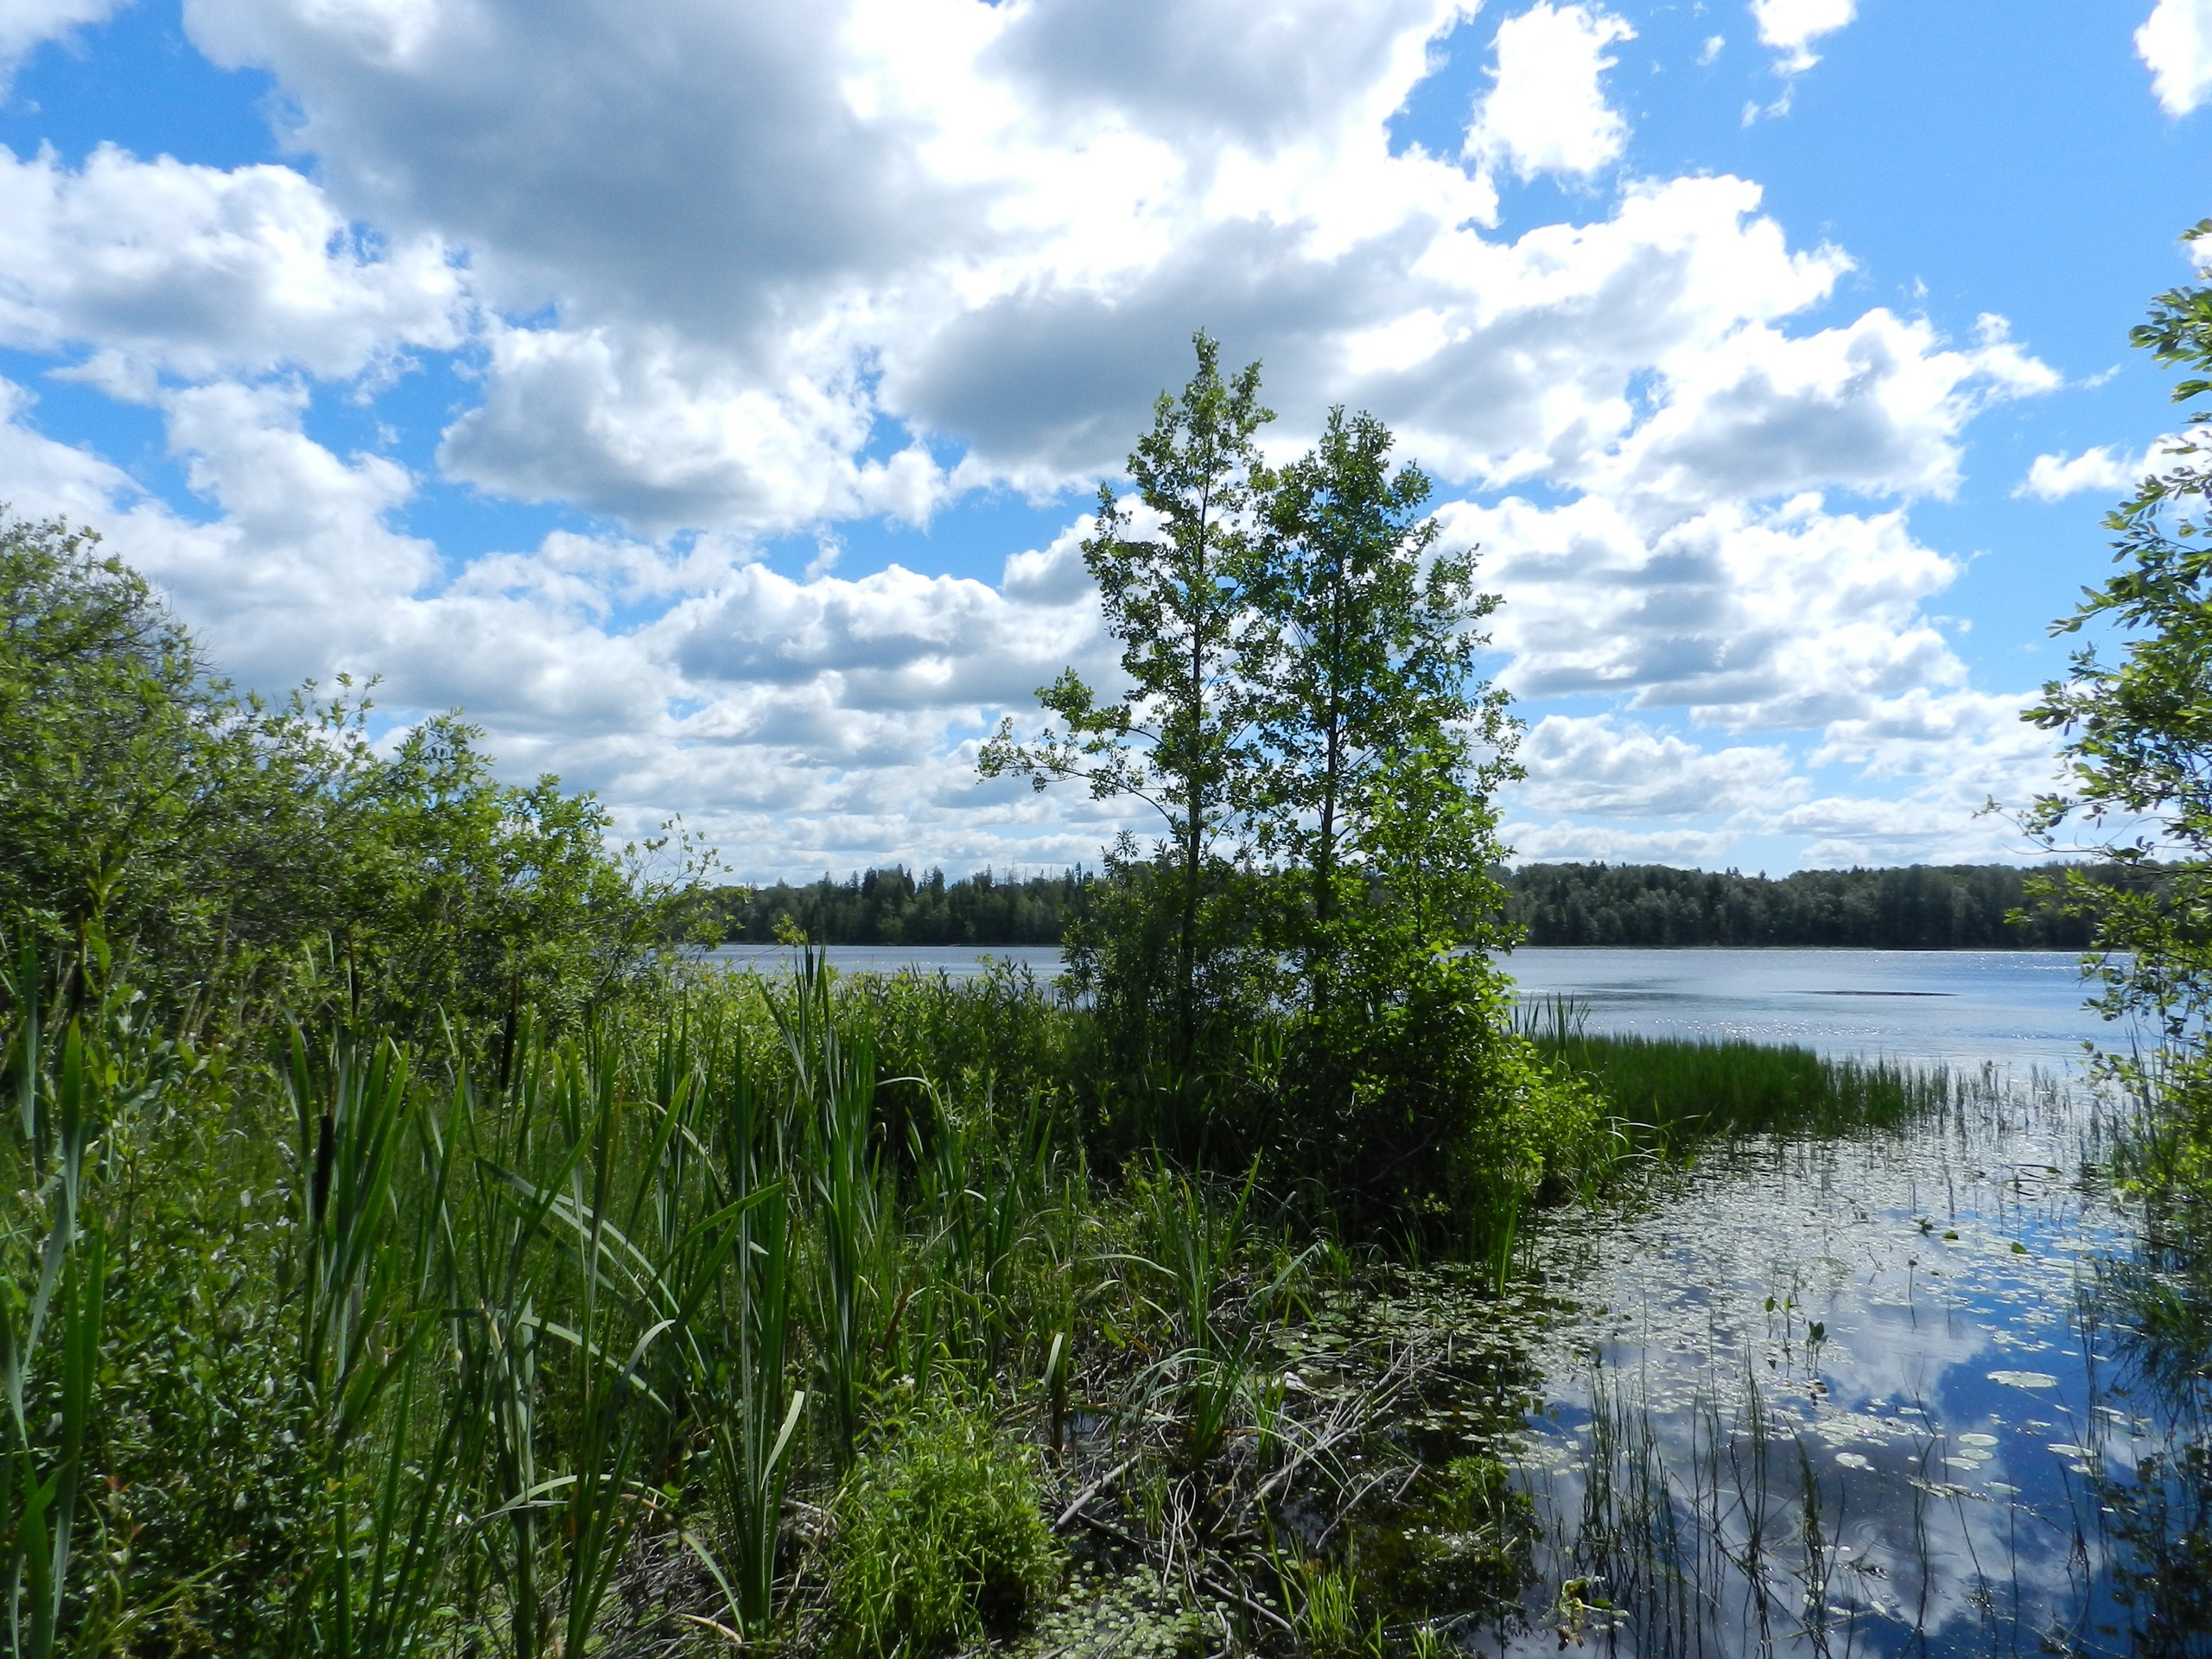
[
  {"x": 51, "y": 1337},
  {"x": 1670, "y": 1093}
]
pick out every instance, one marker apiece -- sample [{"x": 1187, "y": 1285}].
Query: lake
[{"x": 2019, "y": 1008}]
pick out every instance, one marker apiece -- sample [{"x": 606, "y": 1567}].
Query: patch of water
[
  {"x": 1833, "y": 1397},
  {"x": 1869, "y": 1394},
  {"x": 2020, "y": 1008}
]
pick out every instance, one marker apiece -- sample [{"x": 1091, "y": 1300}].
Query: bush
[
  {"x": 239, "y": 858},
  {"x": 938, "y": 1537}
]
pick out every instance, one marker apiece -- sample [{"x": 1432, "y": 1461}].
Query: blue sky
[{"x": 707, "y": 398}]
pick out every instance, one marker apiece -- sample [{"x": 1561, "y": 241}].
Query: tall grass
[{"x": 1669, "y": 1093}]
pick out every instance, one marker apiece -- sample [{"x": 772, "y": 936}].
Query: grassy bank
[{"x": 804, "y": 1314}]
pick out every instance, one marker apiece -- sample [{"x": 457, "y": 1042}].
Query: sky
[{"x": 708, "y": 397}]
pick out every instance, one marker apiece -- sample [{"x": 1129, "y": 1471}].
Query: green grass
[
  {"x": 938, "y": 1537},
  {"x": 1686, "y": 1091},
  {"x": 1677, "y": 1092}
]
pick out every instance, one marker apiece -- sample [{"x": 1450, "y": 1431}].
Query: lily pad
[{"x": 2024, "y": 1379}]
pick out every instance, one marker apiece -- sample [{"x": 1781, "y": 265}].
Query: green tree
[
  {"x": 1365, "y": 671},
  {"x": 1176, "y": 591},
  {"x": 141, "y": 798},
  {"x": 467, "y": 898},
  {"x": 1380, "y": 752},
  {"x": 218, "y": 843},
  {"x": 2137, "y": 731}
]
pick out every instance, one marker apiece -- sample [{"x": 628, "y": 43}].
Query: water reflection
[
  {"x": 2152, "y": 1312},
  {"x": 1891, "y": 1393}
]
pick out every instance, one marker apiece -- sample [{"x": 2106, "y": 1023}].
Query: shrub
[{"x": 938, "y": 1537}]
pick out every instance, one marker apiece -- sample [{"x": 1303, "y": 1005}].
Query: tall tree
[
  {"x": 1175, "y": 590},
  {"x": 1365, "y": 666},
  {"x": 1381, "y": 749}
]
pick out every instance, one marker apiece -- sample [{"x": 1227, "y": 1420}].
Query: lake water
[
  {"x": 2020, "y": 1008},
  {"x": 956, "y": 961},
  {"x": 1923, "y": 1391},
  {"x": 1883, "y": 1393}
]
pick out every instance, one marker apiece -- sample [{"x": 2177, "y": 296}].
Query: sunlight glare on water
[{"x": 2021, "y": 1008}]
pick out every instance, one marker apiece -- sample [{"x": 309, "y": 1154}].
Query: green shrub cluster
[
  {"x": 937, "y": 1537},
  {"x": 242, "y": 861}
]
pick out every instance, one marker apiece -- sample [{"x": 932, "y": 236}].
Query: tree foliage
[
  {"x": 2136, "y": 731},
  {"x": 1305, "y": 714},
  {"x": 892, "y": 905},
  {"x": 224, "y": 850},
  {"x": 1914, "y": 908},
  {"x": 1175, "y": 590}
]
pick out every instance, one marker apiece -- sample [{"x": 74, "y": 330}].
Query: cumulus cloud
[
  {"x": 1565, "y": 842},
  {"x": 1596, "y": 765},
  {"x": 2175, "y": 43},
  {"x": 1791, "y": 27},
  {"x": 25, "y": 23},
  {"x": 1547, "y": 112},
  {"x": 1749, "y": 620},
  {"x": 2104, "y": 468},
  {"x": 625, "y": 421},
  {"x": 202, "y": 272},
  {"x": 1876, "y": 406}
]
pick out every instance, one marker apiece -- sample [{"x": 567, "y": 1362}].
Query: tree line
[
  {"x": 1919, "y": 907},
  {"x": 1914, "y": 908},
  {"x": 893, "y": 906}
]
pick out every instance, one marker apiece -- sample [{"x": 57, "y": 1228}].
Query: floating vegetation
[{"x": 1771, "y": 1421}]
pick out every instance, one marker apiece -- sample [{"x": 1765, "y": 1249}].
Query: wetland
[{"x": 1919, "y": 1385}]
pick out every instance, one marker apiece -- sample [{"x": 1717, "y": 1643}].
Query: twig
[{"x": 1074, "y": 1511}]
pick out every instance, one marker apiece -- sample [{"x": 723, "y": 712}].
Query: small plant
[
  {"x": 1328, "y": 1614},
  {"x": 938, "y": 1537}
]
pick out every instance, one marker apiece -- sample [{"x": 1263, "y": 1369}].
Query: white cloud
[
  {"x": 627, "y": 421},
  {"x": 1750, "y": 620},
  {"x": 2105, "y": 470},
  {"x": 2175, "y": 43},
  {"x": 1565, "y": 842},
  {"x": 1791, "y": 27},
  {"x": 202, "y": 272},
  {"x": 25, "y": 23},
  {"x": 2055, "y": 477},
  {"x": 1547, "y": 112},
  {"x": 1591, "y": 765},
  {"x": 1875, "y": 406}
]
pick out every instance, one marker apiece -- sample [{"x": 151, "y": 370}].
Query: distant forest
[
  {"x": 894, "y": 907},
  {"x": 1923, "y": 907}
]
